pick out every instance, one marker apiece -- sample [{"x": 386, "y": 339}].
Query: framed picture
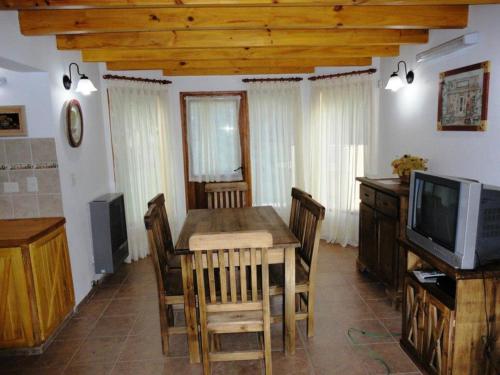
[
  {"x": 12, "y": 121},
  {"x": 463, "y": 98}
]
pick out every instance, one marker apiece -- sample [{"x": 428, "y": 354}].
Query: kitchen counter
[{"x": 18, "y": 232}]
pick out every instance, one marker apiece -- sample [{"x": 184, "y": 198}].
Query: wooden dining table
[{"x": 233, "y": 220}]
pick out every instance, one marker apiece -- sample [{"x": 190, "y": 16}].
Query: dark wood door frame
[{"x": 191, "y": 194}]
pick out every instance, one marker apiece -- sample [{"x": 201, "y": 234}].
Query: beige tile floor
[{"x": 117, "y": 331}]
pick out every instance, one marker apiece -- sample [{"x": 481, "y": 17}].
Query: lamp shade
[
  {"x": 85, "y": 86},
  {"x": 394, "y": 83}
]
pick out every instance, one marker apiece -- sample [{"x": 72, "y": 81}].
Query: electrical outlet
[
  {"x": 10, "y": 187},
  {"x": 32, "y": 184}
]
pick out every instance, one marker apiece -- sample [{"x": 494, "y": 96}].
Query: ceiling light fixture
[
  {"x": 448, "y": 47},
  {"x": 84, "y": 86},
  {"x": 395, "y": 82}
]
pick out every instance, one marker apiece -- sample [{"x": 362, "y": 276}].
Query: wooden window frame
[{"x": 243, "y": 125}]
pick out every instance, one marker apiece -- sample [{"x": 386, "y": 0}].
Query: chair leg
[
  {"x": 164, "y": 328},
  {"x": 170, "y": 316},
  {"x": 310, "y": 313},
  {"x": 260, "y": 338},
  {"x": 298, "y": 303},
  {"x": 267, "y": 349},
  {"x": 215, "y": 344},
  {"x": 218, "y": 345},
  {"x": 205, "y": 350}
]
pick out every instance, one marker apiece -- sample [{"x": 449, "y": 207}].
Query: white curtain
[
  {"x": 336, "y": 144},
  {"x": 275, "y": 112},
  {"x": 213, "y": 138},
  {"x": 140, "y": 138}
]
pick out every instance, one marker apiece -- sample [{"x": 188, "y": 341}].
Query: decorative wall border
[{"x": 25, "y": 166}]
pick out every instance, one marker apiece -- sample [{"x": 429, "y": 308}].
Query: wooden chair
[
  {"x": 310, "y": 218},
  {"x": 226, "y": 194},
  {"x": 173, "y": 261},
  {"x": 169, "y": 280},
  {"x": 244, "y": 309},
  {"x": 297, "y": 195}
]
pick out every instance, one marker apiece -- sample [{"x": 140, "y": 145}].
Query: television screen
[{"x": 436, "y": 203}]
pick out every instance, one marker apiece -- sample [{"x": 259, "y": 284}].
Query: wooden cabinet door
[
  {"x": 15, "y": 312},
  {"x": 368, "y": 254},
  {"x": 52, "y": 280},
  {"x": 438, "y": 332},
  {"x": 387, "y": 248},
  {"x": 413, "y": 315}
]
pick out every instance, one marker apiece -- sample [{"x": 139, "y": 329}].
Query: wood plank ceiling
[{"x": 203, "y": 37}]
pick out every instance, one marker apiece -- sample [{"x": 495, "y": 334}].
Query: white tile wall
[{"x": 29, "y": 178}]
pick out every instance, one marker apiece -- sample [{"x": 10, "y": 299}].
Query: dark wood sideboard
[{"x": 383, "y": 217}]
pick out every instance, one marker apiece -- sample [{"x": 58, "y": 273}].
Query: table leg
[
  {"x": 290, "y": 300},
  {"x": 190, "y": 307}
]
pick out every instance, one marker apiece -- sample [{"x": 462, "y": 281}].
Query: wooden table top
[
  {"x": 18, "y": 232},
  {"x": 233, "y": 220}
]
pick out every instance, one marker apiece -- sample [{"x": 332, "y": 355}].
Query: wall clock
[{"x": 74, "y": 123}]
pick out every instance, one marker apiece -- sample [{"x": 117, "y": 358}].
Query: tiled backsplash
[{"x": 29, "y": 178}]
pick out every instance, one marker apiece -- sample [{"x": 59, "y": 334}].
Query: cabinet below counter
[
  {"x": 383, "y": 217},
  {"x": 36, "y": 293}
]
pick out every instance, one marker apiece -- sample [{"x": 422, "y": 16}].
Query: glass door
[{"x": 216, "y": 144}]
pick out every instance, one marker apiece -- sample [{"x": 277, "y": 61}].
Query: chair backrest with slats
[
  {"x": 159, "y": 202},
  {"x": 154, "y": 230},
  {"x": 226, "y": 194},
  {"x": 297, "y": 196},
  {"x": 311, "y": 217},
  {"x": 233, "y": 254}
]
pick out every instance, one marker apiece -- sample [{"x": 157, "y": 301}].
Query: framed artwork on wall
[
  {"x": 12, "y": 121},
  {"x": 463, "y": 98}
]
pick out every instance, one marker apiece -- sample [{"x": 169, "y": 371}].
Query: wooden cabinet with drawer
[
  {"x": 36, "y": 292},
  {"x": 383, "y": 215},
  {"x": 450, "y": 327}
]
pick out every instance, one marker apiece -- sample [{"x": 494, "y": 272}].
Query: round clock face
[{"x": 74, "y": 123}]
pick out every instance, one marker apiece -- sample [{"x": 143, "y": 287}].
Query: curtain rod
[
  {"x": 137, "y": 79},
  {"x": 291, "y": 79},
  {"x": 353, "y": 73}
]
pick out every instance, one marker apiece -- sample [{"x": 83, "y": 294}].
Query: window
[{"x": 213, "y": 138}]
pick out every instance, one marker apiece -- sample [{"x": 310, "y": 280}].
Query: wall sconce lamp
[
  {"x": 84, "y": 86},
  {"x": 395, "y": 82}
]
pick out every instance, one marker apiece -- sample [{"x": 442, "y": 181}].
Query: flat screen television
[{"x": 456, "y": 219}]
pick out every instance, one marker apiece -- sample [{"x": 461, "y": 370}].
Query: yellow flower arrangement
[{"x": 404, "y": 165}]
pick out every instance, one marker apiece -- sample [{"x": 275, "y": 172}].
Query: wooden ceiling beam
[
  {"x": 202, "y": 64},
  {"x": 242, "y": 38},
  {"x": 304, "y": 53},
  {"x": 83, "y": 4},
  {"x": 43, "y": 22},
  {"x": 237, "y": 71}
]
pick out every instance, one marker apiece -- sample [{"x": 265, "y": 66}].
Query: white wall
[
  {"x": 408, "y": 117},
  {"x": 31, "y": 90},
  {"x": 84, "y": 171}
]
